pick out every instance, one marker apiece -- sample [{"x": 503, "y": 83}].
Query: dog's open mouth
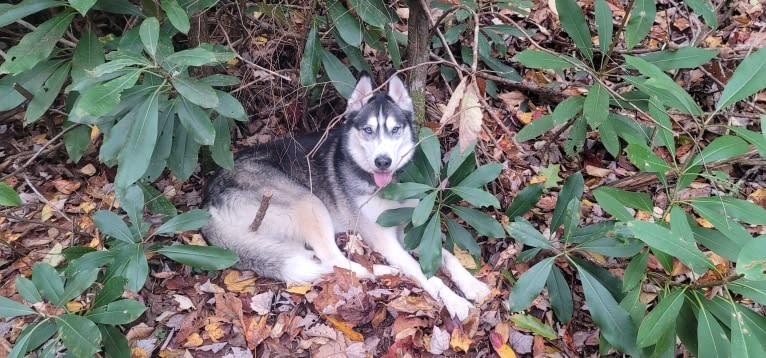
[{"x": 382, "y": 178}]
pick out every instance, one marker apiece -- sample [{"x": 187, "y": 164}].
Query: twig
[
  {"x": 616, "y": 36},
  {"x": 23, "y": 91},
  {"x": 39, "y": 151},
  {"x": 45, "y": 200},
  {"x": 33, "y": 28},
  {"x": 261, "y": 211},
  {"x": 46, "y": 224},
  {"x": 251, "y": 63}
]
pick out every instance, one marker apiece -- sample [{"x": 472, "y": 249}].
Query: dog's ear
[
  {"x": 360, "y": 96},
  {"x": 397, "y": 91}
]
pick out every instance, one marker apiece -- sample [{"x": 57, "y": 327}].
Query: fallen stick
[{"x": 261, "y": 211}]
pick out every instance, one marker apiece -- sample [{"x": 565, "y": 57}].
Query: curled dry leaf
[
  {"x": 235, "y": 281},
  {"x": 448, "y": 117},
  {"x": 470, "y": 117},
  {"x": 459, "y": 340},
  {"x": 439, "y": 341}
]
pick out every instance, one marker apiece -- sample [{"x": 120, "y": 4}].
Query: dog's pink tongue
[{"x": 382, "y": 178}]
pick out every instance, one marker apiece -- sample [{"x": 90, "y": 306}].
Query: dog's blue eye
[
  {"x": 367, "y": 130},
  {"x": 395, "y": 130}
]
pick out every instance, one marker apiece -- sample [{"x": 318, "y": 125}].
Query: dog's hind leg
[{"x": 315, "y": 225}]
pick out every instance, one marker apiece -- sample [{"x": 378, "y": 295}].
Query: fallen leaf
[
  {"x": 184, "y": 302},
  {"x": 47, "y": 213},
  {"x": 596, "y": 171},
  {"x": 236, "y": 282},
  {"x": 500, "y": 346},
  {"x": 459, "y": 340},
  {"x": 194, "y": 340},
  {"x": 471, "y": 117},
  {"x": 534, "y": 325},
  {"x": 88, "y": 169},
  {"x": 261, "y": 303},
  {"x": 465, "y": 258},
  {"x": 347, "y": 329},
  {"x": 65, "y": 186},
  {"x": 439, "y": 341},
  {"x": 256, "y": 331},
  {"x": 525, "y": 117},
  {"x": 214, "y": 331},
  {"x": 74, "y": 306},
  {"x": 299, "y": 290},
  {"x": 138, "y": 352},
  {"x": 411, "y": 304},
  {"x": 512, "y": 99},
  {"x": 448, "y": 117},
  {"x": 758, "y": 197}
]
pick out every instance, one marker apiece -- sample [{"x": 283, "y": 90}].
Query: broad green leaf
[
  {"x": 77, "y": 141},
  {"x": 743, "y": 342},
  {"x": 79, "y": 334},
  {"x": 150, "y": 33},
  {"x": 754, "y": 290},
  {"x": 176, "y": 14},
  {"x": 10, "y": 308},
  {"x": 704, "y": 9},
  {"x": 573, "y": 189},
  {"x": 560, "y": 295},
  {"x": 660, "y": 319},
  {"x": 341, "y": 77},
  {"x": 407, "y": 190},
  {"x": 541, "y": 59},
  {"x": 413, "y": 236},
  {"x": 640, "y": 22},
  {"x": 88, "y": 54},
  {"x": 430, "y": 248},
  {"x": 609, "y": 137},
  {"x": 76, "y": 285},
  {"x": 111, "y": 224},
  {"x": 664, "y": 240},
  {"x": 197, "y": 122},
  {"x": 132, "y": 201},
  {"x": 739, "y": 209},
  {"x": 221, "y": 151},
  {"x": 646, "y": 160},
  {"x": 115, "y": 343},
  {"x": 525, "y": 200},
  {"x": 348, "y": 27},
  {"x": 429, "y": 144},
  {"x": 461, "y": 163},
  {"x": 10, "y": 13},
  {"x": 720, "y": 149},
  {"x": 202, "y": 257},
  {"x": 596, "y": 106},
  {"x": 310, "y": 60},
  {"x": 752, "y": 260},
  {"x": 574, "y": 23},
  {"x": 89, "y": 261},
  {"x": 183, "y": 154},
  {"x": 196, "y": 92},
  {"x": 48, "y": 282},
  {"x": 529, "y": 285},
  {"x": 500, "y": 68},
  {"x": 190, "y": 220},
  {"x": 393, "y": 47},
  {"x": 8, "y": 196},
  {"x": 524, "y": 232},
  {"x": 476, "y": 197},
  {"x": 481, "y": 176},
  {"x": 27, "y": 289},
  {"x": 134, "y": 157},
  {"x": 82, "y": 6},
  {"x": 36, "y": 45},
  {"x": 615, "y": 200},
  {"x": 373, "y": 12},
  {"x": 754, "y": 138},
  {"x": 571, "y": 219},
  {"x": 112, "y": 290},
  {"x": 713, "y": 341},
  {"x": 661, "y": 85},
  {"x": 219, "y": 80},
  {"x": 197, "y": 56},
  {"x": 635, "y": 271},
  {"x": 481, "y": 222},
  {"x": 423, "y": 211},
  {"x": 395, "y": 217},
  {"x": 460, "y": 236},
  {"x": 717, "y": 242},
  {"x": 663, "y": 125},
  {"x": 535, "y": 128},
  {"x": 748, "y": 79},
  {"x": 32, "y": 337},
  {"x": 567, "y": 110},
  {"x": 717, "y": 213},
  {"x": 604, "y": 25},
  {"x": 534, "y": 325},
  {"x": 104, "y": 97},
  {"x": 228, "y": 106},
  {"x": 118, "y": 312},
  {"x": 576, "y": 139},
  {"x": 614, "y": 321},
  {"x": 684, "y": 57},
  {"x": 46, "y": 95}
]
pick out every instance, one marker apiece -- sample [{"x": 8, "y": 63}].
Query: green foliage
[
  {"x": 104, "y": 274},
  {"x": 137, "y": 86},
  {"x": 444, "y": 192}
]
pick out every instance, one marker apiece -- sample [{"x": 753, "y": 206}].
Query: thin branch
[
  {"x": 616, "y": 37},
  {"x": 33, "y": 28},
  {"x": 39, "y": 152},
  {"x": 261, "y": 211},
  {"x": 46, "y": 224},
  {"x": 45, "y": 200}
]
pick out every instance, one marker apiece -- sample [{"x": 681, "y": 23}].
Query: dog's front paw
[
  {"x": 456, "y": 305},
  {"x": 475, "y": 290}
]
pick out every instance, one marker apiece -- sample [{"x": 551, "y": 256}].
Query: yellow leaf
[
  {"x": 40, "y": 138},
  {"x": 47, "y": 213},
  {"x": 538, "y": 179},
  {"x": 704, "y": 223},
  {"x": 235, "y": 284},
  {"x": 94, "y": 133},
  {"x": 459, "y": 340},
  {"x": 470, "y": 117},
  {"x": 525, "y": 117},
  {"x": 299, "y": 290},
  {"x": 214, "y": 331},
  {"x": 194, "y": 340},
  {"x": 347, "y": 329},
  {"x": 74, "y": 306},
  {"x": 87, "y": 206},
  {"x": 138, "y": 352},
  {"x": 260, "y": 40},
  {"x": 465, "y": 258}
]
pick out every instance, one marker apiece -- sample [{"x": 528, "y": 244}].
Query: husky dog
[{"x": 334, "y": 190}]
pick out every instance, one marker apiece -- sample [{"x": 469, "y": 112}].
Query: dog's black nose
[{"x": 382, "y": 162}]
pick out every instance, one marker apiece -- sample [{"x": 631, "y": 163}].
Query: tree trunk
[{"x": 417, "y": 53}]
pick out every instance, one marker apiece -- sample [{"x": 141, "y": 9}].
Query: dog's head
[{"x": 380, "y": 135}]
